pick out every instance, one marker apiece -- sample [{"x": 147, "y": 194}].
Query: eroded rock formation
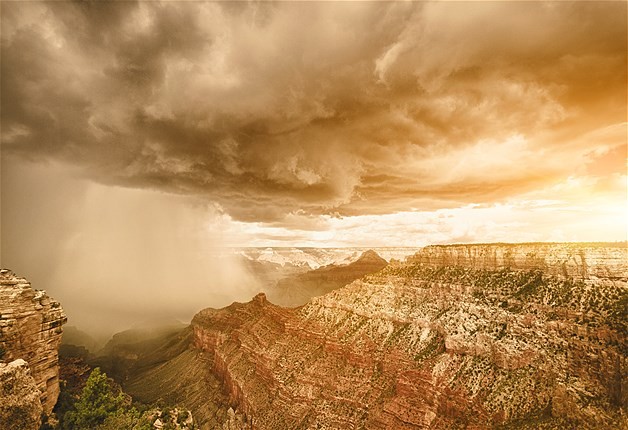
[
  {"x": 479, "y": 336},
  {"x": 30, "y": 329}
]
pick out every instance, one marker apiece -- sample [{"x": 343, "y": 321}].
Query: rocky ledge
[{"x": 30, "y": 329}]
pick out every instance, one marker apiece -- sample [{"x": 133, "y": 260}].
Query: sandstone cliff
[
  {"x": 30, "y": 329},
  {"x": 478, "y": 336}
]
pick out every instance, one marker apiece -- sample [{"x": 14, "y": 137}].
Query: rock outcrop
[
  {"x": 478, "y": 336},
  {"x": 20, "y": 406},
  {"x": 30, "y": 329}
]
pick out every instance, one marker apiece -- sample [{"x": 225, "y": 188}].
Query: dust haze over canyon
[{"x": 139, "y": 138}]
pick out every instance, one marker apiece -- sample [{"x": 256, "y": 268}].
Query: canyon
[
  {"x": 457, "y": 336},
  {"x": 515, "y": 336}
]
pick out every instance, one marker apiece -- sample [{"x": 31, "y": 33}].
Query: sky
[{"x": 138, "y": 135}]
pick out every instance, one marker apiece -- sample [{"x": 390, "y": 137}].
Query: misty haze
[{"x": 313, "y": 215}]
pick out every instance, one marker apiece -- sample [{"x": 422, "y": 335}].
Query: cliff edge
[{"x": 30, "y": 329}]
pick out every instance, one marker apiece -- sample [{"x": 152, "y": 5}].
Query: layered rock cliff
[
  {"x": 577, "y": 260},
  {"x": 478, "y": 336},
  {"x": 30, "y": 329}
]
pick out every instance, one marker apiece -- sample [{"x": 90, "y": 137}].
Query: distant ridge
[
  {"x": 618, "y": 244},
  {"x": 298, "y": 289}
]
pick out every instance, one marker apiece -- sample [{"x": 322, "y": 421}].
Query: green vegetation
[{"x": 100, "y": 406}]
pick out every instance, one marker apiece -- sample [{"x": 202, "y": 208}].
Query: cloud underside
[{"x": 319, "y": 108}]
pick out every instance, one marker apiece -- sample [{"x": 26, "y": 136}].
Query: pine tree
[{"x": 96, "y": 403}]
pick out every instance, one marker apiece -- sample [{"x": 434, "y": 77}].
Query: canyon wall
[
  {"x": 579, "y": 260},
  {"x": 30, "y": 329},
  {"x": 465, "y": 336}
]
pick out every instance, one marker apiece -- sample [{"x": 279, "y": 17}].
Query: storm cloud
[{"x": 339, "y": 109}]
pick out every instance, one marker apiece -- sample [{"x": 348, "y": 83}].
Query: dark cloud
[{"x": 351, "y": 108}]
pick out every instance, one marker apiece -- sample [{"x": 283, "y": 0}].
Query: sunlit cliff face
[{"x": 318, "y": 124}]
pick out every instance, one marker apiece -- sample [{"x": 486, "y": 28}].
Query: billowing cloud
[{"x": 284, "y": 111}]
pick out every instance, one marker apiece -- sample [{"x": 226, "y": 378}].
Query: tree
[{"x": 96, "y": 403}]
